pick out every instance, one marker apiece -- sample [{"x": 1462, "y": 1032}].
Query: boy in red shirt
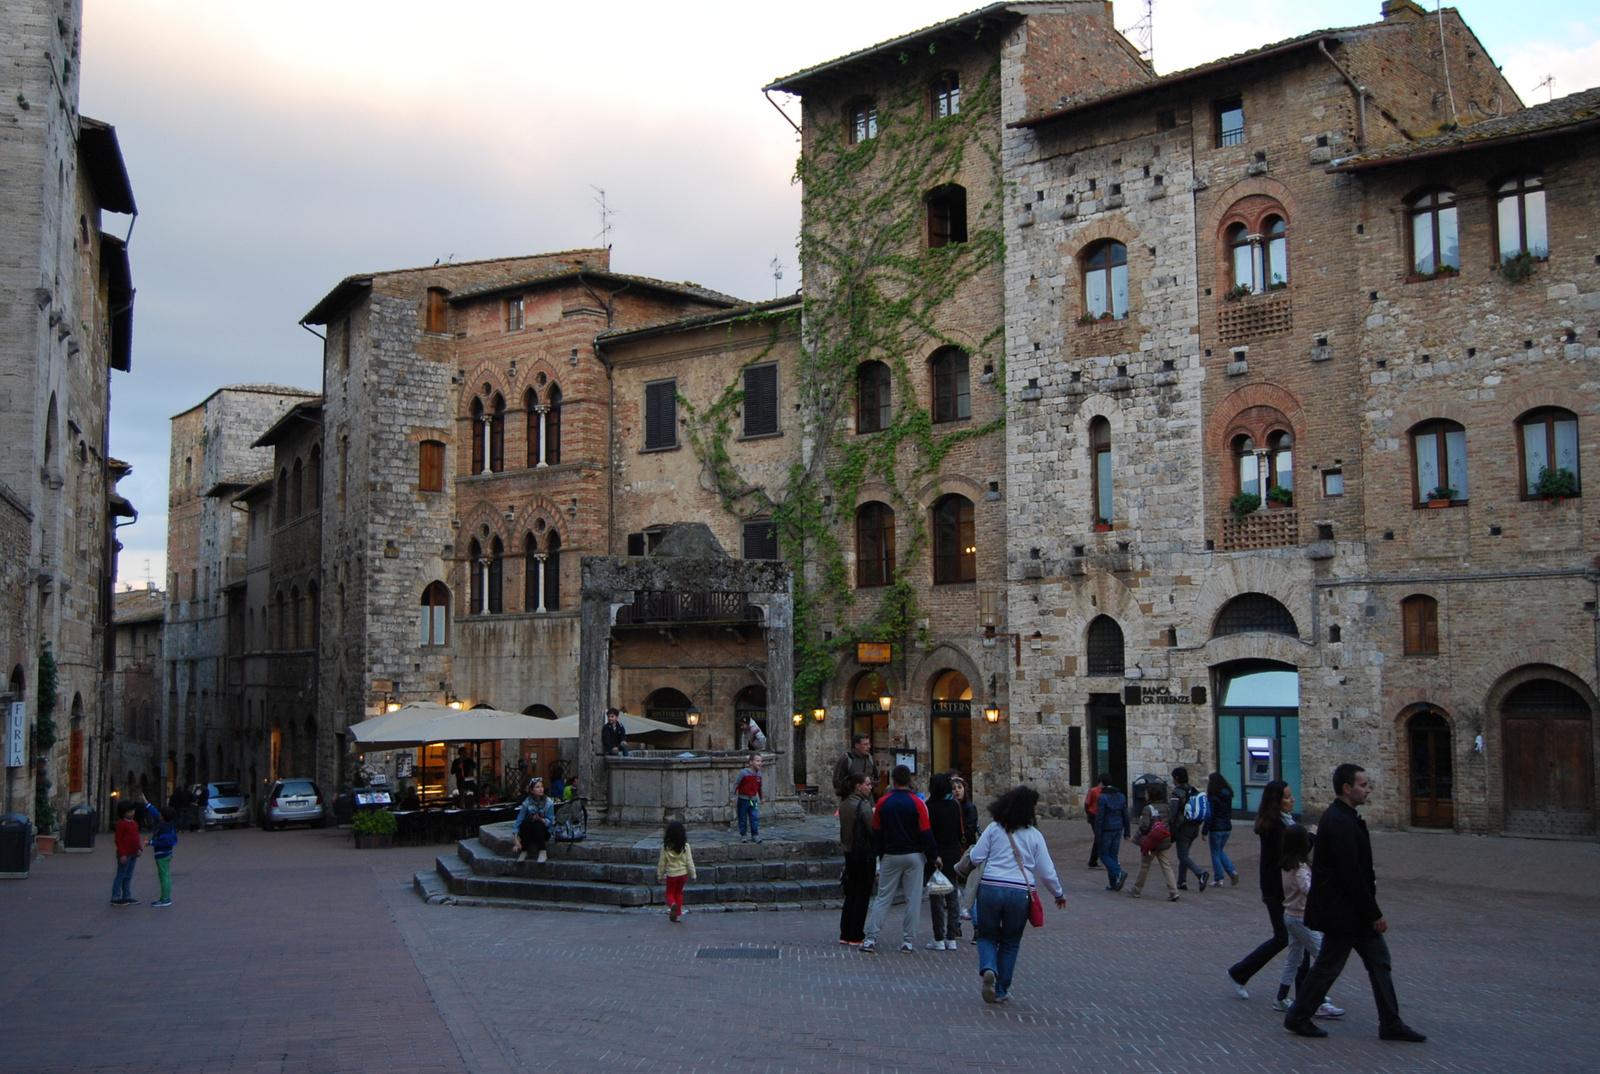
[
  {"x": 128, "y": 843},
  {"x": 747, "y": 789}
]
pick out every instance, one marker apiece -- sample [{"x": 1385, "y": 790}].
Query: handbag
[
  {"x": 1035, "y": 907},
  {"x": 939, "y": 884}
]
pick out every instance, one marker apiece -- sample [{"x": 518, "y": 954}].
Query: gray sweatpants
[{"x": 902, "y": 872}]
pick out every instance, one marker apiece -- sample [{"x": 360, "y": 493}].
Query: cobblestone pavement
[{"x": 291, "y": 952}]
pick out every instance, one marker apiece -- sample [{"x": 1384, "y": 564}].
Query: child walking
[
  {"x": 1303, "y": 942},
  {"x": 162, "y": 842},
  {"x": 675, "y": 866},
  {"x": 128, "y": 844},
  {"x": 747, "y": 789}
]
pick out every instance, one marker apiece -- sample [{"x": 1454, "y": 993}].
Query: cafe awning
[{"x": 424, "y": 722}]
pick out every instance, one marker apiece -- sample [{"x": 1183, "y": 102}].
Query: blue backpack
[{"x": 1197, "y": 807}]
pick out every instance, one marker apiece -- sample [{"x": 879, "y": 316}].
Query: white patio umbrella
[
  {"x": 567, "y": 726},
  {"x": 451, "y": 725},
  {"x": 413, "y": 712}
]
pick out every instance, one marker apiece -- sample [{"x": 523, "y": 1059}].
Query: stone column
[
  {"x": 778, "y": 619},
  {"x": 540, "y": 557},
  {"x": 543, "y": 410},
  {"x": 594, "y": 682}
]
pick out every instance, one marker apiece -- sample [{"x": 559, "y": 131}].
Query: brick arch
[
  {"x": 1242, "y": 399},
  {"x": 946, "y": 337},
  {"x": 1409, "y": 418},
  {"x": 537, "y": 507},
  {"x": 1280, "y": 579},
  {"x": 472, "y": 388},
  {"x": 481, "y": 515},
  {"x": 527, "y": 375},
  {"x": 948, "y": 483},
  {"x": 945, "y": 656},
  {"x": 877, "y": 491},
  {"x": 1112, "y": 225},
  {"x": 1522, "y": 665},
  {"x": 1112, "y": 597},
  {"x": 1255, "y": 186},
  {"x": 1115, "y": 226},
  {"x": 1537, "y": 398},
  {"x": 1403, "y": 716}
]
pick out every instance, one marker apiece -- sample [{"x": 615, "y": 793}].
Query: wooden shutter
[
  {"x": 761, "y": 400},
  {"x": 661, "y": 414},
  {"x": 760, "y": 539},
  {"x": 430, "y": 466}
]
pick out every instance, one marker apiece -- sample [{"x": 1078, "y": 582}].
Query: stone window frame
[
  {"x": 860, "y": 120},
  {"x": 882, "y": 397},
  {"x": 1431, "y": 204},
  {"x": 1525, "y": 186},
  {"x": 1102, "y": 473},
  {"x": 944, "y": 95},
  {"x": 957, "y": 566},
  {"x": 875, "y": 527},
  {"x": 1087, "y": 268},
  {"x": 1439, "y": 428},
  {"x": 1104, "y": 647},
  {"x": 1548, "y": 417},
  {"x": 1419, "y": 618},
  {"x": 951, "y": 386}
]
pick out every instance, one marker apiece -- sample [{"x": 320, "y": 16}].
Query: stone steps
[{"x": 485, "y": 862}]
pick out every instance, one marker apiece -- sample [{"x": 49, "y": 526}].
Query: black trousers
[
  {"x": 1336, "y": 948},
  {"x": 1252, "y": 963},
  {"x": 1094, "y": 844},
  {"x": 534, "y": 834},
  {"x": 858, "y": 881}
]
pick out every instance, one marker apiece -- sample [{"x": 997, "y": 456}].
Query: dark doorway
[
  {"x": 1549, "y": 755},
  {"x": 1108, "y": 739},
  {"x": 951, "y": 724},
  {"x": 1432, "y": 778}
]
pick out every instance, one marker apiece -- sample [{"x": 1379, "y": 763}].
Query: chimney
[{"x": 1401, "y": 10}]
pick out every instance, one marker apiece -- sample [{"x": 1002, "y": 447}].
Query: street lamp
[
  {"x": 886, "y": 702},
  {"x": 799, "y": 719},
  {"x": 819, "y": 714},
  {"x": 692, "y": 715},
  {"x": 991, "y": 714}
]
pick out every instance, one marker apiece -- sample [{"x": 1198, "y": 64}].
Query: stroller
[{"x": 572, "y": 821}]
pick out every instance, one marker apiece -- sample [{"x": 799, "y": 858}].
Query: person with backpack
[
  {"x": 860, "y": 860},
  {"x": 1112, "y": 826},
  {"x": 1218, "y": 827},
  {"x": 1155, "y": 842},
  {"x": 1189, "y": 810}
]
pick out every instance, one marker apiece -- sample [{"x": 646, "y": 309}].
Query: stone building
[
  {"x": 1206, "y": 284},
  {"x": 134, "y": 764},
  {"x": 213, "y": 457},
  {"x": 65, "y": 324},
  {"x": 902, "y": 511}
]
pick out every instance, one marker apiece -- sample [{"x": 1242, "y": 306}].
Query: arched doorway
[
  {"x": 866, "y": 714},
  {"x": 1432, "y": 769},
  {"x": 1258, "y": 729},
  {"x": 950, "y": 716},
  {"x": 751, "y": 702},
  {"x": 1548, "y": 748},
  {"x": 668, "y": 706}
]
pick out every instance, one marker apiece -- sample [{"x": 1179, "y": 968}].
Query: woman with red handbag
[
  {"x": 1155, "y": 843},
  {"x": 1014, "y": 860}
]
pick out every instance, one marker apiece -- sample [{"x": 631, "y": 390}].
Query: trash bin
[
  {"x": 82, "y": 824},
  {"x": 1140, "y": 792},
  {"x": 16, "y": 846}
]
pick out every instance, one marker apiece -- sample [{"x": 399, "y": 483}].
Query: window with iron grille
[
  {"x": 761, "y": 400},
  {"x": 1103, "y": 646},
  {"x": 1230, "y": 121},
  {"x": 760, "y": 539},
  {"x": 661, "y": 415},
  {"x": 1254, "y": 613}
]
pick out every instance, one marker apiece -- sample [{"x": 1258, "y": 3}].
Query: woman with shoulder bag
[
  {"x": 1155, "y": 843},
  {"x": 1014, "y": 860},
  {"x": 860, "y": 860}
]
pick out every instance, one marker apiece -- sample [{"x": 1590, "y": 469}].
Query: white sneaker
[
  {"x": 952, "y": 945},
  {"x": 1328, "y": 1010},
  {"x": 936, "y": 945},
  {"x": 1238, "y": 989},
  {"x": 1280, "y": 1004},
  {"x": 543, "y": 857}
]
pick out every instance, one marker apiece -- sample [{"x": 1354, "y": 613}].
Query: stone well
[{"x": 651, "y": 787}]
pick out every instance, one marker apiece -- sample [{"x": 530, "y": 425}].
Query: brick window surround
[
  {"x": 1420, "y": 615},
  {"x": 872, "y": 397},
  {"x": 955, "y": 551},
  {"x": 874, "y": 545}
]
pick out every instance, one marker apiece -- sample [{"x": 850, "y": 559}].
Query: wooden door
[
  {"x": 1432, "y": 772},
  {"x": 1548, "y": 760},
  {"x": 1571, "y": 770},
  {"x": 1527, "y": 782}
]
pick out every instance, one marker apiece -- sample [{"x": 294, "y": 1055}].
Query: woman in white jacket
[{"x": 1014, "y": 859}]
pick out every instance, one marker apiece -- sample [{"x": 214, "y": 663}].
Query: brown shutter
[
  {"x": 661, "y": 414},
  {"x": 761, "y": 400}
]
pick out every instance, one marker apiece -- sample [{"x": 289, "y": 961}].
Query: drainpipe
[{"x": 1360, "y": 91}]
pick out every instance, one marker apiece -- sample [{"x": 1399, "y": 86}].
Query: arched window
[
  {"x": 1103, "y": 646},
  {"x": 861, "y": 122},
  {"x": 296, "y": 631},
  {"x": 1277, "y": 252},
  {"x": 1105, "y": 280},
  {"x": 1439, "y": 455},
  {"x": 1435, "y": 240},
  {"x": 874, "y": 545},
  {"x": 872, "y": 397},
  {"x": 489, "y": 434},
  {"x": 478, "y": 571},
  {"x": 1254, "y": 613},
  {"x": 1263, "y": 454},
  {"x": 497, "y": 433},
  {"x": 316, "y": 477},
  {"x": 312, "y": 611},
  {"x": 1420, "y": 614},
  {"x": 955, "y": 550},
  {"x": 947, "y": 215},
  {"x": 1260, "y": 259},
  {"x": 952, "y": 401},
  {"x": 297, "y": 484},
  {"x": 278, "y": 620},
  {"x": 1280, "y": 450},
  {"x": 496, "y": 578},
  {"x": 1549, "y": 442},
  {"x": 1100, "y": 450},
  {"x": 434, "y": 618},
  {"x": 532, "y": 406},
  {"x": 531, "y": 584},
  {"x": 1249, "y": 465},
  {"x": 552, "y": 573},
  {"x": 944, "y": 94},
  {"x": 280, "y": 509},
  {"x": 1519, "y": 213},
  {"x": 1246, "y": 272},
  {"x": 552, "y": 427},
  {"x": 479, "y": 436}
]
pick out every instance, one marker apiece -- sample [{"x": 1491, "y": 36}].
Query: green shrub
[
  {"x": 1518, "y": 268},
  {"x": 374, "y": 822},
  {"x": 1556, "y": 484},
  {"x": 1243, "y": 504},
  {"x": 1279, "y": 494}
]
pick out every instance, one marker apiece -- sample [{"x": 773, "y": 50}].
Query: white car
[
  {"x": 293, "y": 801},
  {"x": 226, "y": 806}
]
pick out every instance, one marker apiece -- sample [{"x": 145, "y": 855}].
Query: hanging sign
[
  {"x": 873, "y": 652},
  {"x": 17, "y": 735}
]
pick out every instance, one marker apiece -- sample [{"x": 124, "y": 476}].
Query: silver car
[
  {"x": 293, "y": 801},
  {"x": 226, "y": 806}
]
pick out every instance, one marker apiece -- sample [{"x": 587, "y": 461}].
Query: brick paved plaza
[{"x": 290, "y": 951}]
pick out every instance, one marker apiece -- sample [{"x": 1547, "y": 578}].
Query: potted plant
[
  {"x": 1236, "y": 292},
  {"x": 1441, "y": 496},
  {"x": 1108, "y": 316},
  {"x": 1445, "y": 270},
  {"x": 1518, "y": 268},
  {"x": 374, "y": 829},
  {"x": 1102, "y": 525},
  {"x": 1087, "y": 318},
  {"x": 1280, "y": 496},
  {"x": 1557, "y": 484},
  {"x": 1244, "y": 504}
]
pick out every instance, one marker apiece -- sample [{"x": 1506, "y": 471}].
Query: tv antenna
[
  {"x": 606, "y": 213},
  {"x": 777, "y": 277},
  {"x": 1142, "y": 33},
  {"x": 1548, "y": 85}
]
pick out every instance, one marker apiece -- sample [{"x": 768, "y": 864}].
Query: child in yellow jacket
[{"x": 675, "y": 866}]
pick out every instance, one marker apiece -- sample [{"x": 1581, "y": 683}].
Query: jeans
[
  {"x": 946, "y": 910},
  {"x": 1164, "y": 856},
  {"x": 902, "y": 872},
  {"x": 164, "y": 874},
  {"x": 1110, "y": 848},
  {"x": 1002, "y": 915},
  {"x": 1182, "y": 839},
  {"x": 1336, "y": 948},
  {"x": 749, "y": 815},
  {"x": 1252, "y": 963},
  {"x": 1094, "y": 844},
  {"x": 858, "y": 877},
  {"x": 1221, "y": 865},
  {"x": 122, "y": 886}
]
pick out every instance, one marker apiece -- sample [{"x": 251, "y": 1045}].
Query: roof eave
[
  {"x": 278, "y": 429},
  {"x": 793, "y": 83},
  {"x": 346, "y": 292},
  {"x": 1463, "y": 147},
  {"x": 108, "y": 172},
  {"x": 699, "y": 320}
]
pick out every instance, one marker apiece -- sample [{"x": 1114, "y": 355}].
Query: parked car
[
  {"x": 226, "y": 806},
  {"x": 293, "y": 801}
]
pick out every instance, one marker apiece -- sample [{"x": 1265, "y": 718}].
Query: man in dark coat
[
  {"x": 1343, "y": 905},
  {"x": 856, "y": 761}
]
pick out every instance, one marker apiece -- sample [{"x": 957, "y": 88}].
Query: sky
[{"x": 278, "y": 146}]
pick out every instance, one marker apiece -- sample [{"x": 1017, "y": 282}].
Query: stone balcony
[{"x": 1266, "y": 528}]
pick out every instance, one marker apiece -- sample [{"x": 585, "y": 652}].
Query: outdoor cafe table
[{"x": 447, "y": 825}]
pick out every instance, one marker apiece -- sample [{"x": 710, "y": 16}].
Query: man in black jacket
[
  {"x": 1343, "y": 905},
  {"x": 1184, "y": 831}
]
